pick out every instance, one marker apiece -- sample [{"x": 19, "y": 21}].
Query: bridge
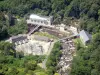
[
  {"x": 45, "y": 60},
  {"x": 33, "y": 30},
  {"x": 37, "y": 26},
  {"x": 71, "y": 36}
]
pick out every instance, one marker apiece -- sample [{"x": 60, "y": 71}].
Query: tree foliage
[
  {"x": 54, "y": 58},
  {"x": 87, "y": 61}
]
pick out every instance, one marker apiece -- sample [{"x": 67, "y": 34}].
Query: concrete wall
[{"x": 48, "y": 21}]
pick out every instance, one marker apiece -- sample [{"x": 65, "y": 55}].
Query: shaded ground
[{"x": 48, "y": 53}]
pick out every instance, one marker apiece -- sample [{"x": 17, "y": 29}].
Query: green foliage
[
  {"x": 16, "y": 66},
  {"x": 53, "y": 58},
  {"x": 88, "y": 59},
  {"x": 41, "y": 73},
  {"x": 11, "y": 63},
  {"x": 31, "y": 65},
  {"x": 87, "y": 10},
  {"x": 46, "y": 34},
  {"x": 3, "y": 27},
  {"x": 8, "y": 27},
  {"x": 44, "y": 7},
  {"x": 19, "y": 28},
  {"x": 6, "y": 48}
]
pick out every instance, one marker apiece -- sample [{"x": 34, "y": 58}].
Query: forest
[
  {"x": 15, "y": 63},
  {"x": 87, "y": 11},
  {"x": 87, "y": 61}
]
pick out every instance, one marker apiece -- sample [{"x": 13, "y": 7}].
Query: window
[{"x": 31, "y": 20}]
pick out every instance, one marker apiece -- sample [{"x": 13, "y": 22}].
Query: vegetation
[
  {"x": 17, "y": 64},
  {"x": 54, "y": 58},
  {"x": 12, "y": 62},
  {"x": 46, "y": 34},
  {"x": 10, "y": 26},
  {"x": 19, "y": 28},
  {"x": 87, "y": 60},
  {"x": 88, "y": 12},
  {"x": 78, "y": 42}
]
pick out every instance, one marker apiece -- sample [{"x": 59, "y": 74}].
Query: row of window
[{"x": 38, "y": 21}]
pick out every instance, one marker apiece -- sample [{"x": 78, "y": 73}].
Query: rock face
[
  {"x": 36, "y": 49},
  {"x": 37, "y": 45},
  {"x": 30, "y": 48}
]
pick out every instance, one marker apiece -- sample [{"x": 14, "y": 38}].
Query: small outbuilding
[
  {"x": 19, "y": 39},
  {"x": 85, "y": 37},
  {"x": 41, "y": 38}
]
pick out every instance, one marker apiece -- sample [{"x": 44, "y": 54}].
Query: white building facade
[{"x": 40, "y": 20}]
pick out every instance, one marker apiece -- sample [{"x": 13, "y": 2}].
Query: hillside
[
  {"x": 87, "y": 61},
  {"x": 87, "y": 11}
]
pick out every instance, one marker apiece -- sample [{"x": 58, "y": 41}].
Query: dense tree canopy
[
  {"x": 87, "y": 61},
  {"x": 54, "y": 58},
  {"x": 12, "y": 63},
  {"x": 88, "y": 11}
]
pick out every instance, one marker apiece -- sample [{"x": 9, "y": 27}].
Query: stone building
[
  {"x": 85, "y": 37},
  {"x": 39, "y": 20},
  {"x": 19, "y": 39}
]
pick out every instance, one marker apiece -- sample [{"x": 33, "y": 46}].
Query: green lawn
[
  {"x": 78, "y": 41},
  {"x": 46, "y": 34}
]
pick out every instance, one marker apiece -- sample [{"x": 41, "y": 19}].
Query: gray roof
[
  {"x": 85, "y": 36},
  {"x": 18, "y": 38},
  {"x": 41, "y": 38}
]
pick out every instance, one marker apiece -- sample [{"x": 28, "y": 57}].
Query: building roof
[
  {"x": 18, "y": 38},
  {"x": 41, "y": 38},
  {"x": 85, "y": 35},
  {"x": 34, "y": 16}
]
